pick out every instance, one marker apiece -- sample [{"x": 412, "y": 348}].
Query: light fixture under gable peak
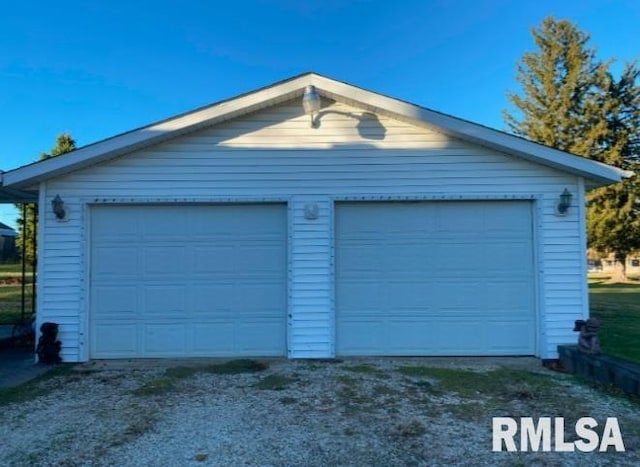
[{"x": 311, "y": 103}]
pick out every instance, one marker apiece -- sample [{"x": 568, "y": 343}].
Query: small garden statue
[
  {"x": 588, "y": 341},
  {"x": 48, "y": 349}
]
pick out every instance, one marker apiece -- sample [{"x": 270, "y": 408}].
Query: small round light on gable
[{"x": 311, "y": 103}]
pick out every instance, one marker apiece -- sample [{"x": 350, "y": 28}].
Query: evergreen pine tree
[
  {"x": 27, "y": 219},
  {"x": 613, "y": 212},
  {"x": 571, "y": 102}
]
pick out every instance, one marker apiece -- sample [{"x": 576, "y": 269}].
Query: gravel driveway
[{"x": 355, "y": 412}]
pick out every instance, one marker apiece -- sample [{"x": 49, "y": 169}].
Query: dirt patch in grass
[
  {"x": 276, "y": 382},
  {"x": 168, "y": 382},
  {"x": 232, "y": 367},
  {"x": 466, "y": 383},
  {"x": 384, "y": 390},
  {"x": 347, "y": 380},
  {"x": 473, "y": 396},
  {"x": 155, "y": 387},
  {"x": 139, "y": 425},
  {"x": 410, "y": 429},
  {"x": 365, "y": 370},
  {"x": 235, "y": 367}
]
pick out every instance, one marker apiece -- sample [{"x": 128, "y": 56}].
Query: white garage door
[
  {"x": 188, "y": 280},
  {"x": 435, "y": 278}
]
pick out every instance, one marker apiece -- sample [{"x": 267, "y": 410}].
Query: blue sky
[{"x": 96, "y": 69}]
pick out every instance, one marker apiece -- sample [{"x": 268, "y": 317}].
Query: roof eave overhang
[
  {"x": 14, "y": 195},
  {"x": 595, "y": 173}
]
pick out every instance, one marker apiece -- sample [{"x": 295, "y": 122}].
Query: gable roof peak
[{"x": 594, "y": 172}]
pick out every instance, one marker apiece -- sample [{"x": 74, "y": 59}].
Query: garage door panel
[
  {"x": 455, "y": 279},
  {"x": 509, "y": 295},
  {"x": 365, "y": 295},
  {"x": 164, "y": 260},
  {"x": 455, "y": 293},
  {"x": 115, "y": 339},
  {"x": 355, "y": 342},
  {"x": 406, "y": 258},
  {"x": 497, "y": 254},
  {"x": 360, "y": 261},
  {"x": 164, "y": 339},
  {"x": 467, "y": 340},
  {"x": 115, "y": 299},
  {"x": 261, "y": 298},
  {"x": 196, "y": 296},
  {"x": 509, "y": 338},
  {"x": 257, "y": 260},
  {"x": 455, "y": 257},
  {"x": 164, "y": 299},
  {"x": 113, "y": 260},
  {"x": 409, "y": 295},
  {"x": 436, "y": 333},
  {"x": 261, "y": 337},
  {"x": 499, "y": 220},
  {"x": 413, "y": 331},
  {"x": 218, "y": 259},
  {"x": 213, "y": 298},
  {"x": 416, "y": 334},
  {"x": 109, "y": 227},
  {"x": 156, "y": 221},
  {"x": 361, "y": 220},
  {"x": 213, "y": 338}
]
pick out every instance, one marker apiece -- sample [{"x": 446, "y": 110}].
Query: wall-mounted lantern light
[
  {"x": 564, "y": 202},
  {"x": 311, "y": 103},
  {"x": 58, "y": 207}
]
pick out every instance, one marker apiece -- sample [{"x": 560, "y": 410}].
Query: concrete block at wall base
[
  {"x": 567, "y": 356},
  {"x": 628, "y": 382}
]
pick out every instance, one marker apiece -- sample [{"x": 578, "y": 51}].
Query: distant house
[
  {"x": 370, "y": 226},
  {"x": 606, "y": 264},
  {"x": 8, "y": 252}
]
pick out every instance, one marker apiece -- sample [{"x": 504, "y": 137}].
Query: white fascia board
[
  {"x": 154, "y": 133},
  {"x": 599, "y": 173}
]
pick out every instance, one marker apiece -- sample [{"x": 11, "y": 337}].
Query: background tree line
[
  {"x": 27, "y": 219},
  {"x": 570, "y": 100}
]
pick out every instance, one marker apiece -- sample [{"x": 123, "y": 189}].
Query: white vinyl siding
[{"x": 274, "y": 155}]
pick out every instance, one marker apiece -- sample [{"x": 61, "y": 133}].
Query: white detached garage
[{"x": 373, "y": 227}]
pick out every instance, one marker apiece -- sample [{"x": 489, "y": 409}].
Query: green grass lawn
[
  {"x": 11, "y": 293},
  {"x": 617, "y": 306}
]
